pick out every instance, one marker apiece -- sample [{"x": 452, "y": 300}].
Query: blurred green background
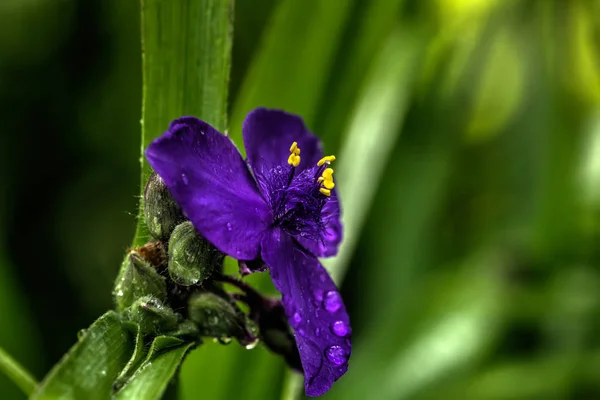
[{"x": 468, "y": 140}]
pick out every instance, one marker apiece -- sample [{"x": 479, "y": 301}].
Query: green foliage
[
  {"x": 92, "y": 365},
  {"x": 186, "y": 51}
]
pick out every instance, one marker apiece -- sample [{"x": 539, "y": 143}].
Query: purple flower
[{"x": 280, "y": 207}]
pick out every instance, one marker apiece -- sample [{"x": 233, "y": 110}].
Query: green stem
[{"x": 16, "y": 373}]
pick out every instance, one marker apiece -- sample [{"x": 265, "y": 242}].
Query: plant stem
[{"x": 16, "y": 373}]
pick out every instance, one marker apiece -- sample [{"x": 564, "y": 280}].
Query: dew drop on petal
[
  {"x": 229, "y": 227},
  {"x": 340, "y": 328},
  {"x": 318, "y": 295},
  {"x": 336, "y": 355},
  {"x": 301, "y": 332},
  {"x": 184, "y": 178},
  {"x": 317, "y": 332},
  {"x": 296, "y": 318},
  {"x": 332, "y": 301}
]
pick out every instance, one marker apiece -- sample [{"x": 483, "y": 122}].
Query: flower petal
[
  {"x": 331, "y": 236},
  {"x": 314, "y": 309},
  {"x": 211, "y": 182},
  {"x": 268, "y": 135}
]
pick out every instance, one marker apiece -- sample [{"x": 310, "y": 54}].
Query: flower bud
[
  {"x": 161, "y": 211},
  {"x": 192, "y": 258},
  {"x": 152, "y": 315},
  {"x": 137, "y": 278},
  {"x": 219, "y": 318}
]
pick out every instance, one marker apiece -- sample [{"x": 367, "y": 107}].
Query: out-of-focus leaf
[
  {"x": 371, "y": 135},
  {"x": 500, "y": 90},
  {"x": 152, "y": 377},
  {"x": 186, "y": 56},
  {"x": 21, "y": 340},
  {"x": 89, "y": 369},
  {"x": 17, "y": 374},
  {"x": 291, "y": 67}
]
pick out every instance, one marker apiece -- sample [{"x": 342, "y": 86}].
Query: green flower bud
[
  {"x": 219, "y": 318},
  {"x": 137, "y": 278},
  {"x": 161, "y": 211},
  {"x": 192, "y": 258},
  {"x": 153, "y": 316}
]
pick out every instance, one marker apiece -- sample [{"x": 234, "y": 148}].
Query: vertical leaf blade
[{"x": 186, "y": 59}]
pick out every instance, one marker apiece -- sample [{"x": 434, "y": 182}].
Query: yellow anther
[
  {"x": 326, "y": 192},
  {"x": 321, "y": 179},
  {"x": 294, "y": 158},
  {"x": 326, "y": 159},
  {"x": 329, "y": 185},
  {"x": 328, "y": 174}
]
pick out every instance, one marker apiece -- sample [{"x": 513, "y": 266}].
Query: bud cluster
[{"x": 174, "y": 285}]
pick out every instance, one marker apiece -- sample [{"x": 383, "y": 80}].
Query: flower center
[
  {"x": 326, "y": 178},
  {"x": 298, "y": 199}
]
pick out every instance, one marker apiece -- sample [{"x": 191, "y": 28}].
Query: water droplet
[
  {"x": 336, "y": 355},
  {"x": 224, "y": 340},
  {"x": 296, "y": 318},
  {"x": 319, "y": 295},
  {"x": 317, "y": 332},
  {"x": 120, "y": 293},
  {"x": 184, "y": 178},
  {"x": 333, "y": 301},
  {"x": 252, "y": 344},
  {"x": 103, "y": 372},
  {"x": 229, "y": 228},
  {"x": 340, "y": 328},
  {"x": 301, "y": 332}
]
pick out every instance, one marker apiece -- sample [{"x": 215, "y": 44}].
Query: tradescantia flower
[{"x": 278, "y": 207}]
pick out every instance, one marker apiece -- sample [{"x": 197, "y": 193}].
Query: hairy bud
[
  {"x": 220, "y": 318},
  {"x": 137, "y": 278},
  {"x": 192, "y": 258},
  {"x": 161, "y": 211}
]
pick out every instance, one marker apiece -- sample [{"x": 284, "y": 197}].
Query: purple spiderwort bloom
[{"x": 279, "y": 206}]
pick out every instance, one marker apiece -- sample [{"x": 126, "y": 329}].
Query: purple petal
[
  {"x": 331, "y": 236},
  {"x": 211, "y": 182},
  {"x": 314, "y": 309},
  {"x": 268, "y": 135}
]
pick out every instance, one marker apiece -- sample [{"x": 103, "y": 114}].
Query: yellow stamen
[
  {"x": 326, "y": 159},
  {"x": 321, "y": 179},
  {"x": 329, "y": 185},
  {"x": 328, "y": 174},
  {"x": 294, "y": 158},
  {"x": 326, "y": 192}
]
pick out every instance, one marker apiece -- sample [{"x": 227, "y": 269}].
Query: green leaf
[
  {"x": 135, "y": 360},
  {"x": 186, "y": 56},
  {"x": 89, "y": 369},
  {"x": 16, "y": 373},
  {"x": 151, "y": 379}
]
